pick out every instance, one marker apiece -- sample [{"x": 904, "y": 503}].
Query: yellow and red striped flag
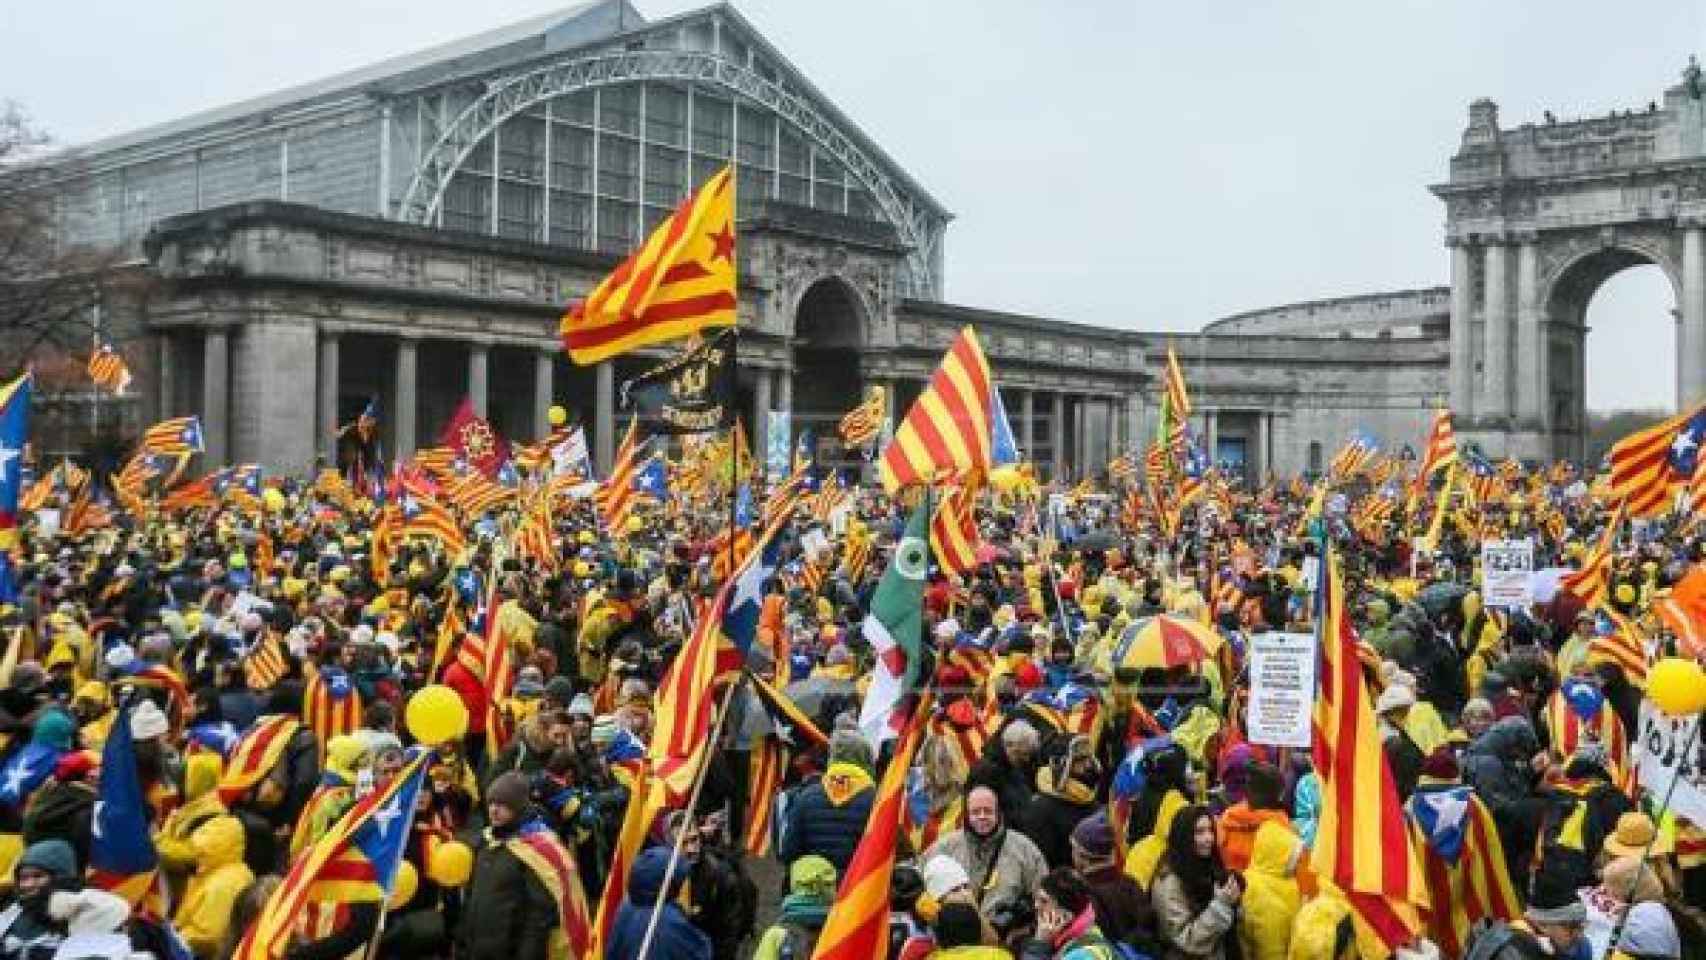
[
  {"x": 426, "y": 517},
  {"x": 857, "y": 927},
  {"x": 473, "y": 493},
  {"x": 947, "y": 433},
  {"x": 680, "y": 281},
  {"x": 769, "y": 762},
  {"x": 534, "y": 535},
  {"x": 1592, "y": 583},
  {"x": 331, "y": 706},
  {"x": 1642, "y": 473},
  {"x": 862, "y": 424},
  {"x": 1173, "y": 380},
  {"x": 256, "y": 754},
  {"x": 1441, "y": 448},
  {"x": 107, "y": 368},
  {"x": 1363, "y": 845},
  {"x": 615, "y": 496},
  {"x": 953, "y": 530},
  {"x": 175, "y": 436}
]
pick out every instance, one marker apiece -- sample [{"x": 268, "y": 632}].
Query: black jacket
[
  {"x": 1049, "y": 821},
  {"x": 725, "y": 902},
  {"x": 509, "y": 913},
  {"x": 63, "y": 811}
]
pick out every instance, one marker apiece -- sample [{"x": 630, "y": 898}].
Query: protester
[{"x": 1196, "y": 899}]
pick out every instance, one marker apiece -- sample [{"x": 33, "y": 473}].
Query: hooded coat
[
  {"x": 676, "y": 938},
  {"x": 27, "y": 929},
  {"x": 1496, "y": 764},
  {"x": 220, "y": 878},
  {"x": 1271, "y": 897}
]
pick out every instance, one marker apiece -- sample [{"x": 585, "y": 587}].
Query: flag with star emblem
[
  {"x": 330, "y": 705},
  {"x": 1465, "y": 864},
  {"x": 894, "y": 627},
  {"x": 14, "y": 429},
  {"x": 474, "y": 442},
  {"x": 176, "y": 436},
  {"x": 745, "y": 600},
  {"x": 653, "y": 478},
  {"x": 122, "y": 858},
  {"x": 353, "y": 862},
  {"x": 680, "y": 281},
  {"x": 27, "y": 769},
  {"x": 1647, "y": 465}
]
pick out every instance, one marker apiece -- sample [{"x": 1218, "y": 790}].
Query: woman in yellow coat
[
  {"x": 220, "y": 878},
  {"x": 1271, "y": 897},
  {"x": 177, "y": 852}
]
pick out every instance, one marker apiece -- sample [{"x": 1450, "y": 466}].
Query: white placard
[
  {"x": 47, "y": 522},
  {"x": 1282, "y": 689},
  {"x": 1507, "y": 568},
  {"x": 1661, "y": 756}
]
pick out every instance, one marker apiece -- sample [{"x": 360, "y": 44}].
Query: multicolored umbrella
[{"x": 1165, "y": 641}]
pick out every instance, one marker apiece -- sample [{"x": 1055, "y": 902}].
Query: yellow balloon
[
  {"x": 1677, "y": 686},
  {"x": 1005, "y": 478},
  {"x": 436, "y": 715},
  {"x": 557, "y": 415},
  {"x": 273, "y": 499},
  {"x": 403, "y": 886},
  {"x": 451, "y": 864}
]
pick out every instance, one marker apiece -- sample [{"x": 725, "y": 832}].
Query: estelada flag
[
  {"x": 474, "y": 441},
  {"x": 681, "y": 280}
]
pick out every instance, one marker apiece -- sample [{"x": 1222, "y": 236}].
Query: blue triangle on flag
[{"x": 1003, "y": 449}]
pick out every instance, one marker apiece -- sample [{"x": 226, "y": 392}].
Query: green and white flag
[{"x": 894, "y": 628}]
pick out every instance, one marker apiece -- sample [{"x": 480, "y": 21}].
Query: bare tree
[{"x": 49, "y": 289}]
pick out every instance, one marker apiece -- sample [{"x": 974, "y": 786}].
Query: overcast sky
[{"x": 1113, "y": 161}]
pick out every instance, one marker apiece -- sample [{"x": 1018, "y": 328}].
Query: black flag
[{"x": 694, "y": 393}]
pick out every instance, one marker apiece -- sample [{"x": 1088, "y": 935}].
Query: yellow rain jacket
[
  {"x": 1145, "y": 855},
  {"x": 220, "y": 878},
  {"x": 1271, "y": 897}
]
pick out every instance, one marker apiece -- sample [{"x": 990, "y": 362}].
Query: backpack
[{"x": 797, "y": 942}]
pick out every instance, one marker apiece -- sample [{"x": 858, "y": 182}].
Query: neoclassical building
[{"x": 409, "y": 233}]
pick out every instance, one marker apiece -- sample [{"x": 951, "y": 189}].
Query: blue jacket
[
  {"x": 817, "y": 824},
  {"x": 676, "y": 937}
]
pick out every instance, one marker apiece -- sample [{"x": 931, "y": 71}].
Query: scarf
[
  {"x": 803, "y": 910},
  {"x": 843, "y": 781},
  {"x": 1072, "y": 791}
]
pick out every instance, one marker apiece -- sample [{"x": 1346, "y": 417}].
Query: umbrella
[
  {"x": 1439, "y": 597},
  {"x": 1097, "y": 540},
  {"x": 1165, "y": 641}
]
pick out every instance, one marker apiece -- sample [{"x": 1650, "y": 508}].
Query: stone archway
[
  {"x": 1576, "y": 272},
  {"x": 828, "y": 338},
  {"x": 1538, "y": 217}
]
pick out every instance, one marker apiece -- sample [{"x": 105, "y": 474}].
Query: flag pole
[
  {"x": 734, "y": 466},
  {"x": 692, "y": 801}
]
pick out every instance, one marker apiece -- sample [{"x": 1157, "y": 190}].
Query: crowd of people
[{"x": 1064, "y": 801}]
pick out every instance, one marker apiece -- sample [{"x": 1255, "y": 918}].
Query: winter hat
[
  {"x": 510, "y": 790},
  {"x": 812, "y": 876},
  {"x": 943, "y": 875},
  {"x": 147, "y": 721},
  {"x": 1094, "y": 836},
  {"x": 1441, "y": 765},
  {"x": 75, "y": 766},
  {"x": 52, "y": 856},
  {"x": 1554, "y": 900}
]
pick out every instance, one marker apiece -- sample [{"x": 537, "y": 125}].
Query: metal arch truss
[{"x": 507, "y": 97}]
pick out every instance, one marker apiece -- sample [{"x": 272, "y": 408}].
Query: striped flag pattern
[
  {"x": 473, "y": 493},
  {"x": 1592, "y": 583},
  {"x": 681, "y": 280},
  {"x": 1363, "y": 844},
  {"x": 858, "y": 924},
  {"x": 107, "y": 368},
  {"x": 1441, "y": 448},
  {"x": 1468, "y": 880},
  {"x": 953, "y": 531},
  {"x": 266, "y": 664},
  {"x": 947, "y": 432},
  {"x": 864, "y": 423},
  {"x": 769, "y": 761},
  {"x": 178, "y": 435},
  {"x": 255, "y": 755},
  {"x": 615, "y": 496},
  {"x": 1643, "y": 472},
  {"x": 533, "y": 537},
  {"x": 330, "y": 705},
  {"x": 426, "y": 517},
  {"x": 1173, "y": 381}
]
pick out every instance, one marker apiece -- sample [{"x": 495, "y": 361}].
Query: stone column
[
  {"x": 544, "y": 390},
  {"x": 1116, "y": 418},
  {"x": 1691, "y": 331},
  {"x": 1530, "y": 344},
  {"x": 604, "y": 417},
  {"x": 1264, "y": 431},
  {"x": 479, "y": 355},
  {"x": 1496, "y": 366},
  {"x": 168, "y": 379},
  {"x": 1462, "y": 334},
  {"x": 785, "y": 391},
  {"x": 1211, "y": 431},
  {"x": 403, "y": 401},
  {"x": 328, "y": 379},
  {"x": 1057, "y": 434},
  {"x": 1136, "y": 425},
  {"x": 761, "y": 404},
  {"x": 1027, "y": 432},
  {"x": 216, "y": 395}
]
